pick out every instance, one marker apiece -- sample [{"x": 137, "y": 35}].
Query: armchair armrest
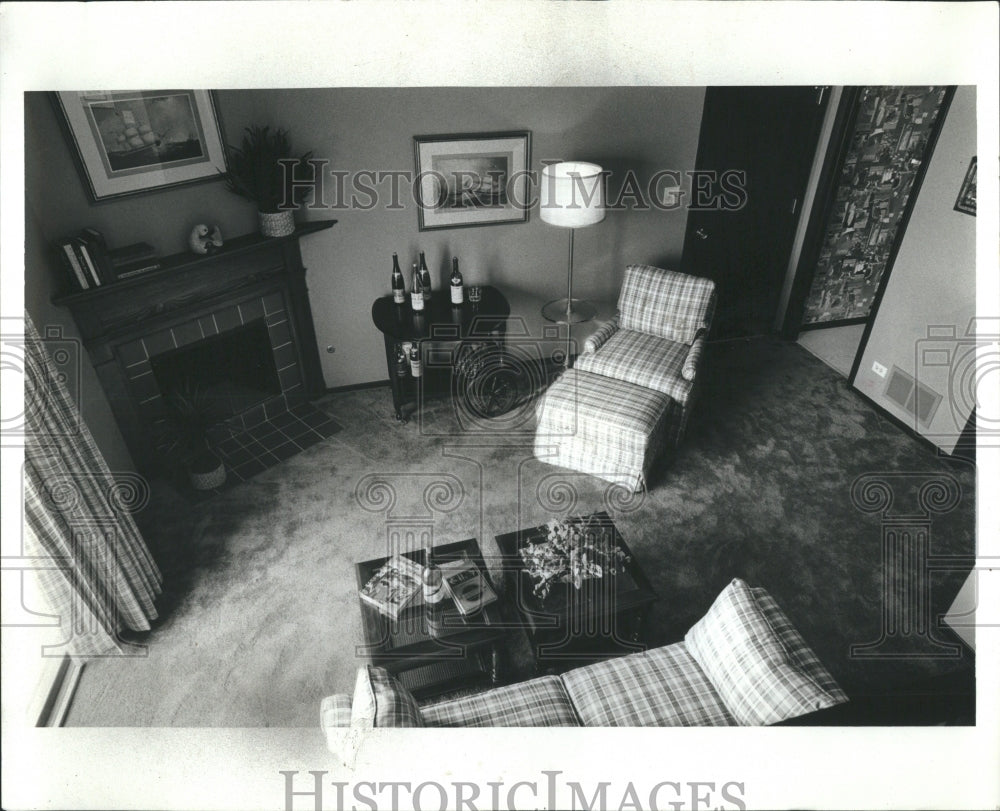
[
  {"x": 599, "y": 338},
  {"x": 693, "y": 359}
]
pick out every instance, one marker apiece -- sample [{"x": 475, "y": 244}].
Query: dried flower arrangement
[{"x": 574, "y": 551}]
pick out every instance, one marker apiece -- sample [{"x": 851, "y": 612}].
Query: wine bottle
[
  {"x": 416, "y": 367},
  {"x": 416, "y": 291},
  {"x": 398, "y": 285},
  {"x": 433, "y": 592},
  {"x": 425, "y": 277},
  {"x": 402, "y": 362},
  {"x": 457, "y": 289}
]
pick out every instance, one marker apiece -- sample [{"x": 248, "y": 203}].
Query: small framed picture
[
  {"x": 138, "y": 141},
  {"x": 966, "y": 201},
  {"x": 472, "y": 179}
]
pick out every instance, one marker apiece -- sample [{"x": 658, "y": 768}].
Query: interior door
[{"x": 755, "y": 150}]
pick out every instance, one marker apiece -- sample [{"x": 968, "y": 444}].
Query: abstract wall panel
[{"x": 887, "y": 146}]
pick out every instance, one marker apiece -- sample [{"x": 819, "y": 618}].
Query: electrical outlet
[{"x": 879, "y": 369}]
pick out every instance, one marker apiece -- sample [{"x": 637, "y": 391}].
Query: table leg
[
  {"x": 395, "y": 384},
  {"x": 638, "y": 623},
  {"x": 495, "y": 664}
]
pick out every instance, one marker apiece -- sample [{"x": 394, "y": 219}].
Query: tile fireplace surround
[{"x": 189, "y": 300}]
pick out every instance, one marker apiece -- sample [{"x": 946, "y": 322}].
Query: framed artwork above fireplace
[{"x": 139, "y": 141}]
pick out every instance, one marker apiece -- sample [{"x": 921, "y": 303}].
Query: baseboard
[{"x": 374, "y": 384}]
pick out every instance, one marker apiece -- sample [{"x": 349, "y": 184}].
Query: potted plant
[
  {"x": 190, "y": 413},
  {"x": 256, "y": 174}
]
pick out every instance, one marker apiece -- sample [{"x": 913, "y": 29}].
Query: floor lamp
[{"x": 571, "y": 196}]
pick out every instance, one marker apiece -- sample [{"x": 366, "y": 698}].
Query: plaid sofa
[
  {"x": 743, "y": 663},
  {"x": 649, "y": 353}
]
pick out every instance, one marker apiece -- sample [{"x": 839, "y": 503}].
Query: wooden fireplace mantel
[
  {"x": 181, "y": 278},
  {"x": 191, "y": 297}
]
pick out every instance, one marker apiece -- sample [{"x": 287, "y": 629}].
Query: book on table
[
  {"x": 465, "y": 583},
  {"x": 394, "y": 586}
]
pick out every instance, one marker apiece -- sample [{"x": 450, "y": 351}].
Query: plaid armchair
[{"x": 657, "y": 338}]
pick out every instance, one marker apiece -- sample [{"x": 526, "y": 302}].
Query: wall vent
[{"x": 915, "y": 398}]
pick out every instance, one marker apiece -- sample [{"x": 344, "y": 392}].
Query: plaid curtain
[{"x": 95, "y": 568}]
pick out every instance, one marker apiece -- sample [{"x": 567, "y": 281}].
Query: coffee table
[
  {"x": 463, "y": 650},
  {"x": 569, "y": 627}
]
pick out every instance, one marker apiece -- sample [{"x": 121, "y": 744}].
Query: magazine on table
[
  {"x": 394, "y": 586},
  {"x": 466, "y": 585}
]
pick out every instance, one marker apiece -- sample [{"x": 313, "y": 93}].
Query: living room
[
  {"x": 347, "y": 268},
  {"x": 778, "y": 480}
]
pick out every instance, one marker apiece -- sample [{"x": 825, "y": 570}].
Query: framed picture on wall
[
  {"x": 966, "y": 201},
  {"x": 142, "y": 140},
  {"x": 472, "y": 179}
]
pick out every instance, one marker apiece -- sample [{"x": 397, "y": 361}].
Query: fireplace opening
[{"x": 225, "y": 374}]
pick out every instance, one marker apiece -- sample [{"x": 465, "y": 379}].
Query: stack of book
[
  {"x": 89, "y": 263},
  {"x": 398, "y": 584},
  {"x": 465, "y": 583},
  {"x": 134, "y": 260},
  {"x": 394, "y": 586}
]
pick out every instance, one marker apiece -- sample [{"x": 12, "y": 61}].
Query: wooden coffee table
[
  {"x": 464, "y": 650},
  {"x": 569, "y": 626}
]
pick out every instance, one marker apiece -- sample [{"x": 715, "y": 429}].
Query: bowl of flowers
[{"x": 571, "y": 551}]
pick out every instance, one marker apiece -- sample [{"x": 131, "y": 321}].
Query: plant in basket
[
  {"x": 189, "y": 418},
  {"x": 257, "y": 171},
  {"x": 573, "y": 551}
]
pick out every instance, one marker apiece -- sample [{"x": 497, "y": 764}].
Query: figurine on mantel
[{"x": 204, "y": 240}]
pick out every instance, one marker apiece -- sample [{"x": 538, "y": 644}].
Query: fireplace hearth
[{"x": 235, "y": 326}]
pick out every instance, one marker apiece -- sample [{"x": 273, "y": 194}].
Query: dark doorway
[{"x": 754, "y": 154}]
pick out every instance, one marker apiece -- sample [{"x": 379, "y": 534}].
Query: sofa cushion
[
  {"x": 541, "y": 702},
  {"x": 661, "y": 687},
  {"x": 795, "y": 647},
  {"x": 643, "y": 360},
  {"x": 661, "y": 302},
  {"x": 741, "y": 654},
  {"x": 381, "y": 701},
  {"x": 335, "y": 711}
]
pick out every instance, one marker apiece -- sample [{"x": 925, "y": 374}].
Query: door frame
[
  {"x": 805, "y": 271},
  {"x": 904, "y": 222},
  {"x": 800, "y": 192},
  {"x": 826, "y": 185}
]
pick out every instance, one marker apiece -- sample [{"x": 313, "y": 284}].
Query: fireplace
[
  {"x": 235, "y": 326},
  {"x": 228, "y": 373}
]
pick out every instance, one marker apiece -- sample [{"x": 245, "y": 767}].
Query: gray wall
[
  {"x": 835, "y": 346},
  {"x": 82, "y": 382},
  {"x": 933, "y": 281},
  {"x": 639, "y": 128}
]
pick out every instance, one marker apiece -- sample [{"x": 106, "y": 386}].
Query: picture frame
[
  {"x": 472, "y": 179},
  {"x": 966, "y": 202},
  {"x": 133, "y": 142}
]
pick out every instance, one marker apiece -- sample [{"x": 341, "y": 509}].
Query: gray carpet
[{"x": 259, "y": 614}]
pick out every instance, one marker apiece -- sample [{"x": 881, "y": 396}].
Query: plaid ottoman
[{"x": 605, "y": 427}]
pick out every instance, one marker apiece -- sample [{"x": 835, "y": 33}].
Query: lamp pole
[{"x": 569, "y": 281}]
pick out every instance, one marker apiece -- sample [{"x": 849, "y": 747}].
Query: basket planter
[
  {"x": 207, "y": 471},
  {"x": 276, "y": 224}
]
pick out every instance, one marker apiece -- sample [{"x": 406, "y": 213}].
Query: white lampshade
[{"x": 571, "y": 194}]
